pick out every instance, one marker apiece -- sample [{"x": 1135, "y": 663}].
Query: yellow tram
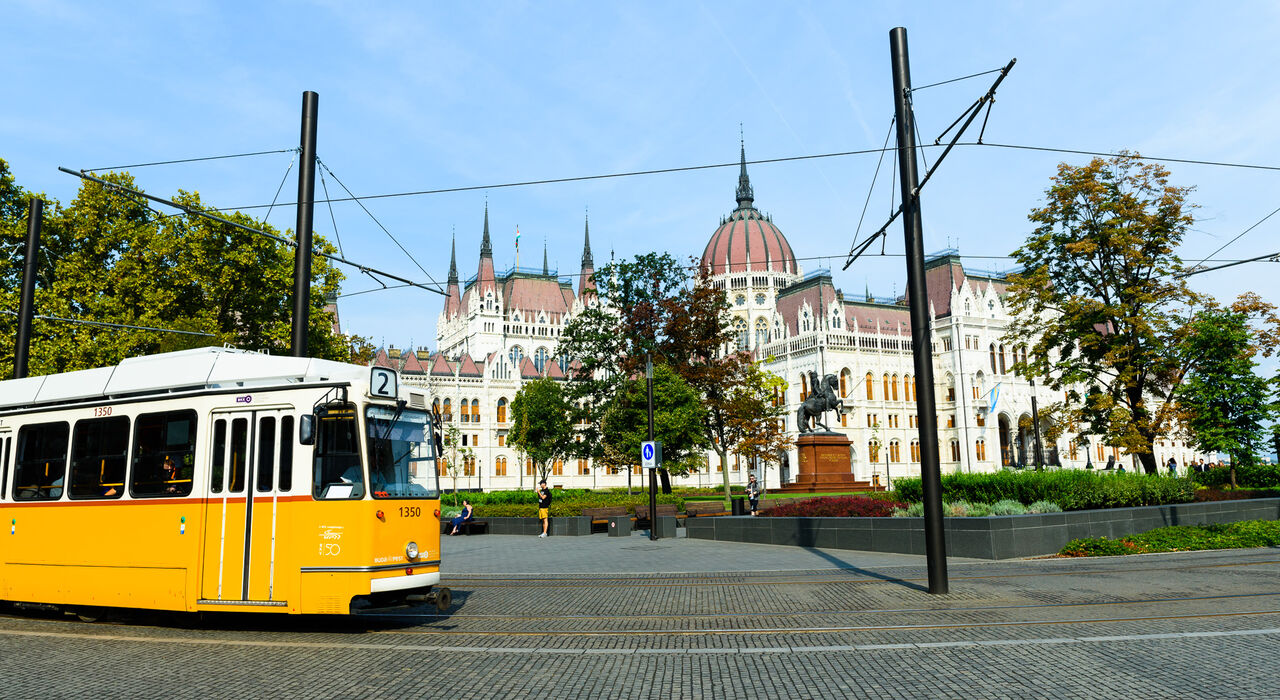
[{"x": 218, "y": 480}]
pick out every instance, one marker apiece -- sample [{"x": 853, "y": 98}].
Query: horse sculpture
[{"x": 822, "y": 398}]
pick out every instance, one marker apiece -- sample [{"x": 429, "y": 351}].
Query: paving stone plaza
[{"x": 600, "y": 617}]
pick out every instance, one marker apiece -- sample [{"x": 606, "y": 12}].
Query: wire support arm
[{"x": 191, "y": 211}]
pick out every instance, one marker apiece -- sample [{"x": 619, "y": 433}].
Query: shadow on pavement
[{"x": 846, "y": 566}]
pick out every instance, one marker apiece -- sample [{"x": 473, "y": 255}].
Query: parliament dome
[{"x": 747, "y": 240}]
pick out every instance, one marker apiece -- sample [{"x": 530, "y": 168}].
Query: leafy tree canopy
[
  {"x": 107, "y": 257},
  {"x": 678, "y": 417},
  {"x": 540, "y": 424}
]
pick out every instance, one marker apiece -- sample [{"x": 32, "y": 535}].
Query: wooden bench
[
  {"x": 662, "y": 509},
  {"x": 698, "y": 509},
  {"x": 600, "y": 516}
]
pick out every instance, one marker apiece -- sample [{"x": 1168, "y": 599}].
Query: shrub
[
  {"x": 915, "y": 510},
  {"x": 1216, "y": 494},
  {"x": 955, "y": 509},
  {"x": 1044, "y": 507},
  {"x": 835, "y": 507},
  {"x": 1008, "y": 507},
  {"x": 1071, "y": 489},
  {"x": 978, "y": 510},
  {"x": 1181, "y": 538},
  {"x": 567, "y": 503},
  {"x": 1249, "y": 475}
]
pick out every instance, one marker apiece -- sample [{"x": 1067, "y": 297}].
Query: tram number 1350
[
  {"x": 330, "y": 550},
  {"x": 410, "y": 512}
]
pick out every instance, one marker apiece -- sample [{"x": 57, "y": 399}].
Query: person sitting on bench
[{"x": 464, "y": 516}]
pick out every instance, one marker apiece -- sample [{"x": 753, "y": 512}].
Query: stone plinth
[{"x": 823, "y": 465}]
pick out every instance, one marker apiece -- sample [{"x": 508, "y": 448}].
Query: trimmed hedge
[
  {"x": 1181, "y": 538},
  {"x": 1072, "y": 489},
  {"x": 1252, "y": 475},
  {"x": 567, "y": 503},
  {"x": 835, "y": 507}
]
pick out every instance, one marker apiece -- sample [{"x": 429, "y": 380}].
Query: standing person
[
  {"x": 1173, "y": 467},
  {"x": 753, "y": 494},
  {"x": 544, "y": 506}
]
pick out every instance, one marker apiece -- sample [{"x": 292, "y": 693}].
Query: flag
[{"x": 517, "y": 238}]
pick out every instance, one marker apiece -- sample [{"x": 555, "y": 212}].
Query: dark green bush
[
  {"x": 1258, "y": 476},
  {"x": 1073, "y": 489},
  {"x": 1181, "y": 538},
  {"x": 570, "y": 503}
]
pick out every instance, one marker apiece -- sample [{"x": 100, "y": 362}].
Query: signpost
[{"x": 650, "y": 454}]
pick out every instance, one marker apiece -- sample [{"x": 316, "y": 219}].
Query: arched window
[
  {"x": 777, "y": 330},
  {"x": 475, "y": 410},
  {"x": 443, "y": 468},
  {"x": 502, "y": 410},
  {"x": 500, "y": 466},
  {"x": 1003, "y": 369},
  {"x": 805, "y": 323},
  {"x": 993, "y": 359},
  {"x": 871, "y": 385},
  {"x": 873, "y": 452},
  {"x": 762, "y": 332},
  {"x": 1024, "y": 354},
  {"x": 886, "y": 387},
  {"x": 469, "y": 465},
  {"x": 915, "y": 450},
  {"x": 955, "y": 450},
  {"x": 895, "y": 387},
  {"x": 558, "y": 467},
  {"x": 908, "y": 388},
  {"x": 980, "y": 449},
  {"x": 804, "y": 388},
  {"x": 740, "y": 334},
  {"x": 516, "y": 354},
  {"x": 540, "y": 357},
  {"x": 846, "y": 380},
  {"x": 583, "y": 469},
  {"x": 895, "y": 451},
  {"x": 564, "y": 362},
  {"x": 448, "y": 410}
]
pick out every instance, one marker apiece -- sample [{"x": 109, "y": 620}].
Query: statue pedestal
[{"x": 824, "y": 465}]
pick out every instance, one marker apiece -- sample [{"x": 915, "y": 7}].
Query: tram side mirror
[{"x": 307, "y": 429}]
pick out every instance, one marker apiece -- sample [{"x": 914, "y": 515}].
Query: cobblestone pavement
[{"x": 595, "y": 617}]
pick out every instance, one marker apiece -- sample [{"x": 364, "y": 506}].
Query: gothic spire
[
  {"x": 587, "y": 262},
  {"x": 745, "y": 195},
  {"x": 486, "y": 248},
  {"x": 545, "y": 270},
  {"x": 453, "y": 261}
]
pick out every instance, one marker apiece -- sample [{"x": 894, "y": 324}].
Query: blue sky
[{"x": 417, "y": 96}]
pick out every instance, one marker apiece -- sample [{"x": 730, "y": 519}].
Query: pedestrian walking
[
  {"x": 544, "y": 506},
  {"x": 753, "y": 494}
]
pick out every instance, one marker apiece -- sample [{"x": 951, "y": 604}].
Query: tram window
[
  {"x": 397, "y": 441},
  {"x": 337, "y": 469},
  {"x": 4, "y": 465},
  {"x": 239, "y": 454},
  {"x": 163, "y": 454},
  {"x": 266, "y": 452},
  {"x": 99, "y": 453},
  {"x": 216, "y": 471},
  {"x": 42, "y": 462},
  {"x": 285, "y": 481}
]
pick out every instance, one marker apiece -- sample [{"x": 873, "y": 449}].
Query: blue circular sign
[{"x": 648, "y": 451}]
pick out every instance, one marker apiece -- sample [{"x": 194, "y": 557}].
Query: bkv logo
[{"x": 244, "y": 399}]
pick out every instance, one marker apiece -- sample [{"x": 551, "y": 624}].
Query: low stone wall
[{"x": 997, "y": 537}]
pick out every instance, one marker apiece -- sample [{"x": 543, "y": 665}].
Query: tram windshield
[{"x": 400, "y": 461}]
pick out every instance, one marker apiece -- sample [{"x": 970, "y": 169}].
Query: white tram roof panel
[{"x": 185, "y": 369}]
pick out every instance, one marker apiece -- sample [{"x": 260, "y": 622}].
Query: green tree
[
  {"x": 678, "y": 417},
  {"x": 1097, "y": 301},
  {"x": 754, "y": 415},
  {"x": 106, "y": 257},
  {"x": 458, "y": 455},
  {"x": 1224, "y": 405},
  {"x": 540, "y": 426}
]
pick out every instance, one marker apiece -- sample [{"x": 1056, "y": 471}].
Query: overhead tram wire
[
  {"x": 332, "y": 218},
  {"x": 375, "y": 220},
  {"x": 1272, "y": 257},
  {"x": 954, "y": 80},
  {"x": 104, "y": 324},
  {"x": 191, "y": 211},
  {"x": 734, "y": 164},
  {"x": 1192, "y": 268},
  {"x": 191, "y": 160}
]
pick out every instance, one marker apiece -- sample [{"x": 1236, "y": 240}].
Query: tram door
[{"x": 242, "y": 518}]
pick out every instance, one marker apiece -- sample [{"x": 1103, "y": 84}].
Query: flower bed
[
  {"x": 1071, "y": 489},
  {"x": 1181, "y": 538},
  {"x": 835, "y": 507}
]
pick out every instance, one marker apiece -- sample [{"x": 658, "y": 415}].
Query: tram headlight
[{"x": 411, "y": 550}]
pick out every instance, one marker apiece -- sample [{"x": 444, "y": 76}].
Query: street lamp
[{"x": 1088, "y": 458}]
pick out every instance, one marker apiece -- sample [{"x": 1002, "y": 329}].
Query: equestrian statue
[{"x": 822, "y": 398}]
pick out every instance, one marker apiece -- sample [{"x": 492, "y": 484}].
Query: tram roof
[{"x": 201, "y": 368}]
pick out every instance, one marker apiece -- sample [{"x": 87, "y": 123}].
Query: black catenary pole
[
  {"x": 306, "y": 208},
  {"x": 653, "y": 473},
  {"x": 922, "y": 349},
  {"x": 1035, "y": 424},
  {"x": 27, "y": 302}
]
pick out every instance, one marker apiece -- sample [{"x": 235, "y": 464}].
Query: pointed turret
[
  {"x": 545, "y": 269},
  {"x": 485, "y": 280},
  {"x": 745, "y": 195},
  {"x": 453, "y": 297},
  {"x": 585, "y": 284}
]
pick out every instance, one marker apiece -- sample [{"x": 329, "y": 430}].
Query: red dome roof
[{"x": 748, "y": 241}]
